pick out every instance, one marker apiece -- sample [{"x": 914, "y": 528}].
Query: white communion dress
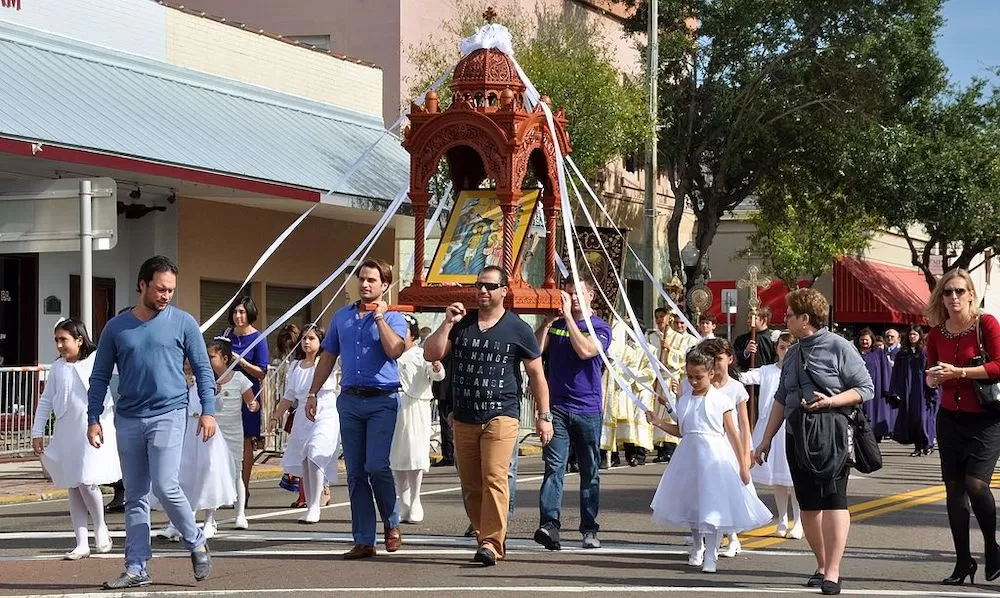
[
  {"x": 411, "y": 442},
  {"x": 208, "y": 473},
  {"x": 701, "y": 489},
  {"x": 774, "y": 471},
  {"x": 69, "y": 458},
  {"x": 316, "y": 440}
]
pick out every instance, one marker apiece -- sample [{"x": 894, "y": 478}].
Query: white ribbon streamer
[
  {"x": 363, "y": 248},
  {"x": 344, "y": 177}
]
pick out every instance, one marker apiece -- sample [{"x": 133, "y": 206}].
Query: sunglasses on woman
[{"x": 954, "y": 292}]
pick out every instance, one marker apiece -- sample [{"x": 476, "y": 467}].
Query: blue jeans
[
  {"x": 584, "y": 432},
  {"x": 367, "y": 425},
  {"x": 149, "y": 449}
]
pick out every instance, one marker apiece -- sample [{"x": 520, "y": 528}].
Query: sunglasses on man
[{"x": 489, "y": 286}]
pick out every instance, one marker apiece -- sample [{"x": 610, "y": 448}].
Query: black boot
[{"x": 117, "y": 504}]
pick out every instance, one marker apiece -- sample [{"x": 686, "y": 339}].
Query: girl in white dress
[
  {"x": 706, "y": 487},
  {"x": 70, "y": 460},
  {"x": 206, "y": 473},
  {"x": 725, "y": 379},
  {"x": 774, "y": 472},
  {"x": 409, "y": 455},
  {"x": 311, "y": 448},
  {"x": 232, "y": 388}
]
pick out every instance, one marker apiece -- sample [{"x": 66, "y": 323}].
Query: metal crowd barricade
[
  {"x": 20, "y": 387},
  {"x": 274, "y": 444}
]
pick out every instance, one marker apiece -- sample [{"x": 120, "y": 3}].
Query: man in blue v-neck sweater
[{"x": 149, "y": 343}]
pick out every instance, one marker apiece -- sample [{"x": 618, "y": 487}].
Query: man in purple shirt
[
  {"x": 574, "y": 375},
  {"x": 368, "y": 343}
]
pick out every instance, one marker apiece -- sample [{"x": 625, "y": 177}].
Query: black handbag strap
[{"x": 979, "y": 339}]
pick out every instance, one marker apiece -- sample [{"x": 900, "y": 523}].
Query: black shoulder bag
[
  {"x": 987, "y": 391},
  {"x": 867, "y": 456}
]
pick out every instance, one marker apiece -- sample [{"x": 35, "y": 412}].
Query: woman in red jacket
[{"x": 968, "y": 436}]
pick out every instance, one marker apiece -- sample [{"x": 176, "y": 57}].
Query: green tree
[
  {"x": 801, "y": 228},
  {"x": 935, "y": 176},
  {"x": 745, "y": 87},
  {"x": 567, "y": 58}
]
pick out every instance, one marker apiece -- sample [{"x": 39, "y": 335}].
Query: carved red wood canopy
[{"x": 485, "y": 133}]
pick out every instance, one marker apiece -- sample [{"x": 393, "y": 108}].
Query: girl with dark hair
[
  {"x": 311, "y": 448},
  {"x": 775, "y": 471},
  {"x": 725, "y": 378},
  {"x": 918, "y": 403},
  {"x": 235, "y": 392},
  {"x": 70, "y": 460},
  {"x": 207, "y": 472},
  {"x": 707, "y": 487},
  {"x": 409, "y": 456},
  {"x": 252, "y": 363}
]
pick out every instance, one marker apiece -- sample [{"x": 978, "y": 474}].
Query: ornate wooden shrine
[{"x": 486, "y": 133}]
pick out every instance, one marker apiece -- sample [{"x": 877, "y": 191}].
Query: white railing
[{"x": 20, "y": 388}]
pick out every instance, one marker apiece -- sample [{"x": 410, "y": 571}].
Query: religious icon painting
[
  {"x": 591, "y": 260},
  {"x": 473, "y": 237}
]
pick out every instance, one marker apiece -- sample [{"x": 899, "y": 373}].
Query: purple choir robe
[
  {"x": 916, "y": 418},
  {"x": 881, "y": 415}
]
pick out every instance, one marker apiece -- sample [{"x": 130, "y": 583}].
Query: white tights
[
  {"x": 312, "y": 481},
  {"x": 408, "y": 484},
  {"x": 84, "y": 500},
  {"x": 782, "y": 495}
]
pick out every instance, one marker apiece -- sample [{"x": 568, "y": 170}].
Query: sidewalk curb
[{"x": 267, "y": 472}]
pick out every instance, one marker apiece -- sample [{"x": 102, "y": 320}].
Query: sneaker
[
  {"x": 590, "y": 540},
  {"x": 169, "y": 533},
  {"x": 241, "y": 522},
  {"x": 734, "y": 547},
  {"x": 201, "y": 563},
  {"x": 128, "y": 580},
  {"x": 548, "y": 536}
]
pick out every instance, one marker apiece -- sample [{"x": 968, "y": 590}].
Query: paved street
[{"x": 899, "y": 546}]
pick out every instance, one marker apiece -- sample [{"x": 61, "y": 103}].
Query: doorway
[
  {"x": 18, "y": 309},
  {"x": 103, "y": 302}
]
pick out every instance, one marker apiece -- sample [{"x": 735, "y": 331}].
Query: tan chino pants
[{"x": 483, "y": 455}]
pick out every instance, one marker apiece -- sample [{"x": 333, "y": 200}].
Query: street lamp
[{"x": 689, "y": 258}]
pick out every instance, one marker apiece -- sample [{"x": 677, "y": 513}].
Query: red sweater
[{"x": 959, "y": 350}]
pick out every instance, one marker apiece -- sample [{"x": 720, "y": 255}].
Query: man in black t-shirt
[{"x": 486, "y": 350}]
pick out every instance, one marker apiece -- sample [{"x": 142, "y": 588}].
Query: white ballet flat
[
  {"x": 782, "y": 528},
  {"x": 209, "y": 530},
  {"x": 310, "y": 517},
  {"x": 105, "y": 548},
  {"x": 734, "y": 547},
  {"x": 76, "y": 554},
  {"x": 711, "y": 560},
  {"x": 795, "y": 532},
  {"x": 241, "y": 523},
  {"x": 169, "y": 533}
]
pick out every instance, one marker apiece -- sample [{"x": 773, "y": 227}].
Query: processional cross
[{"x": 752, "y": 282}]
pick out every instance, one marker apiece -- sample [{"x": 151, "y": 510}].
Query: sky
[{"x": 969, "y": 42}]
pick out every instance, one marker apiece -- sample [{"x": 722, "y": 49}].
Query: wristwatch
[
  {"x": 545, "y": 417},
  {"x": 311, "y": 395}
]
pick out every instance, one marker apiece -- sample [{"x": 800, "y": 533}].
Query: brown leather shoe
[
  {"x": 393, "y": 540},
  {"x": 360, "y": 551}
]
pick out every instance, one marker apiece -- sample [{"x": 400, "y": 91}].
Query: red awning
[{"x": 867, "y": 292}]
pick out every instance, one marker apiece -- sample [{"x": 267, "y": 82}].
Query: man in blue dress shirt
[
  {"x": 149, "y": 343},
  {"x": 368, "y": 343}
]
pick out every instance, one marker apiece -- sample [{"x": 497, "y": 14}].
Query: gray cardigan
[{"x": 833, "y": 362}]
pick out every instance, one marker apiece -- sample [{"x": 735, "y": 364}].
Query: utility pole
[{"x": 651, "y": 254}]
